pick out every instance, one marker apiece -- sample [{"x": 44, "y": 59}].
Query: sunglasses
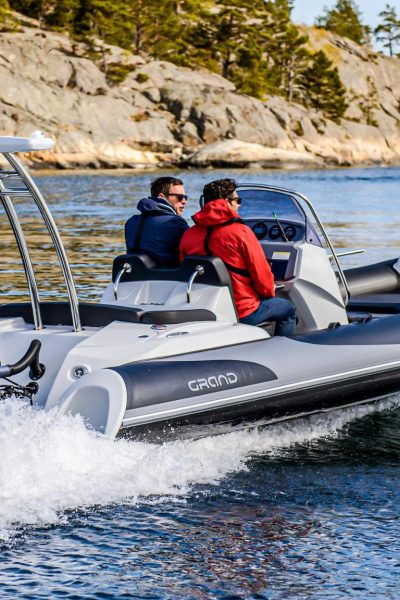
[
  {"x": 237, "y": 199},
  {"x": 179, "y": 196}
]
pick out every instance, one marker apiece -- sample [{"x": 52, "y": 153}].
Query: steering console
[{"x": 285, "y": 232}]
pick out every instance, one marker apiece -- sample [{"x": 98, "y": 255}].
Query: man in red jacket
[{"x": 219, "y": 231}]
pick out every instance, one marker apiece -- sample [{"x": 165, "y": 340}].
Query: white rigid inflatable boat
[{"x": 163, "y": 351}]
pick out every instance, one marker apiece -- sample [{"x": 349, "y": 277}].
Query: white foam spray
[{"x": 49, "y": 464}]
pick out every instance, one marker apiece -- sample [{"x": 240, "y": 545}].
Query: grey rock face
[
  {"x": 161, "y": 114},
  {"x": 86, "y": 77},
  {"x": 234, "y": 153}
]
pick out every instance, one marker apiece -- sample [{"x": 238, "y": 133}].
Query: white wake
[{"x": 49, "y": 464}]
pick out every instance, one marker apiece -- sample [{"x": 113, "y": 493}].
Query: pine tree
[
  {"x": 370, "y": 102},
  {"x": 345, "y": 19},
  {"x": 30, "y": 8},
  {"x": 324, "y": 88},
  {"x": 285, "y": 51},
  {"x": 7, "y": 20},
  {"x": 50, "y": 13},
  {"x": 388, "y": 32},
  {"x": 157, "y": 28},
  {"x": 224, "y": 32},
  {"x": 4, "y": 11},
  {"x": 251, "y": 42},
  {"x": 250, "y": 74},
  {"x": 167, "y": 28},
  {"x": 225, "y": 36},
  {"x": 61, "y": 14},
  {"x": 103, "y": 19}
]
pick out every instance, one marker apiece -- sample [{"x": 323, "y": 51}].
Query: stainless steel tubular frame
[
  {"x": 24, "y": 252},
  {"x": 199, "y": 270},
  {"x": 54, "y": 234},
  {"x": 127, "y": 268},
  {"x": 319, "y": 223}
]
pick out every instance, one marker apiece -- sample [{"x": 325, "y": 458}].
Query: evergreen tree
[
  {"x": 52, "y": 13},
  {"x": 345, "y": 19},
  {"x": 62, "y": 13},
  {"x": 142, "y": 16},
  {"x": 285, "y": 51},
  {"x": 4, "y": 14},
  {"x": 4, "y": 8},
  {"x": 250, "y": 76},
  {"x": 157, "y": 28},
  {"x": 388, "y": 32},
  {"x": 254, "y": 44},
  {"x": 223, "y": 34},
  {"x": 251, "y": 42},
  {"x": 370, "y": 102},
  {"x": 324, "y": 88},
  {"x": 30, "y": 8},
  {"x": 103, "y": 19},
  {"x": 167, "y": 28}
]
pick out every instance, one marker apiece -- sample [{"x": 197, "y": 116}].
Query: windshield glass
[{"x": 267, "y": 204}]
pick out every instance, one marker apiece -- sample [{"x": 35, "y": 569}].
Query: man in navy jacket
[{"x": 157, "y": 231}]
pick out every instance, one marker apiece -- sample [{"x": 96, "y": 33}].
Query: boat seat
[
  {"x": 376, "y": 303},
  {"x": 268, "y": 326},
  {"x": 379, "y": 278},
  {"x": 59, "y": 313},
  {"x": 145, "y": 269}
]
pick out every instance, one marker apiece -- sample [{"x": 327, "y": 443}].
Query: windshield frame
[{"x": 300, "y": 200}]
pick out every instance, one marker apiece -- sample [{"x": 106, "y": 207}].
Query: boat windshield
[{"x": 269, "y": 204}]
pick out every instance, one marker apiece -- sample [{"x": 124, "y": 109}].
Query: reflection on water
[{"x": 358, "y": 206}]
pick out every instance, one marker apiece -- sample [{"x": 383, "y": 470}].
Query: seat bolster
[
  {"x": 92, "y": 314},
  {"x": 174, "y": 317}
]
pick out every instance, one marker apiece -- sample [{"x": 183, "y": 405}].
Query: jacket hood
[
  {"x": 215, "y": 212},
  {"x": 155, "y": 205}
]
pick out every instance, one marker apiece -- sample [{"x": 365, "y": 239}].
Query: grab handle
[
  {"x": 199, "y": 270},
  {"x": 127, "y": 268},
  {"x": 347, "y": 253},
  {"x": 30, "y": 359}
]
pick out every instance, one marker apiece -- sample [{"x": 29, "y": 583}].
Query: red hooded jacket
[{"x": 238, "y": 247}]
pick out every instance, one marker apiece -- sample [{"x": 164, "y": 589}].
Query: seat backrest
[
  {"x": 140, "y": 263},
  {"x": 145, "y": 269},
  {"x": 149, "y": 287}
]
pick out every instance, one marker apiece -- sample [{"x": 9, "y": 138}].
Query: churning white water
[{"x": 50, "y": 464}]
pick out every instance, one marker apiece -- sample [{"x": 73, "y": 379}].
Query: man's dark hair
[
  {"x": 162, "y": 185},
  {"x": 220, "y": 188}
]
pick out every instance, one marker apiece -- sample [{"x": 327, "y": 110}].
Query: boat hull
[
  {"x": 268, "y": 380},
  {"x": 270, "y": 409}
]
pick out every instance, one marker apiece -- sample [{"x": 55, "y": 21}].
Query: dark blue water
[{"x": 307, "y": 509}]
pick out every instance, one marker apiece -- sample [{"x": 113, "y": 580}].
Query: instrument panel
[{"x": 276, "y": 231}]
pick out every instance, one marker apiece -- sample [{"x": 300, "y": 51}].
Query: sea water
[{"x": 303, "y": 509}]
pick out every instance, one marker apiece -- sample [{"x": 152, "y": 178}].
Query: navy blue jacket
[{"x": 161, "y": 233}]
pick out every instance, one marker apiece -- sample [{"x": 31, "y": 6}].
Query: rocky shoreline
[{"x": 161, "y": 115}]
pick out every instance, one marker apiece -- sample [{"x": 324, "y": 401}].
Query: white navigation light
[{"x": 37, "y": 141}]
